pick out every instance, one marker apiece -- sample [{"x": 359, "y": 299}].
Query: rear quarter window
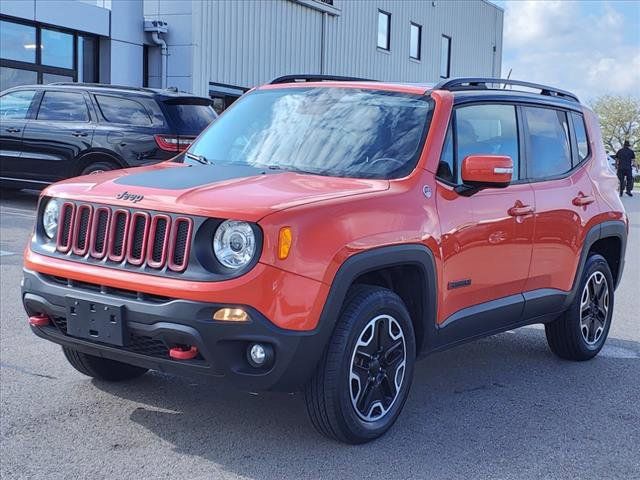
[
  {"x": 581, "y": 136},
  {"x": 123, "y": 110}
]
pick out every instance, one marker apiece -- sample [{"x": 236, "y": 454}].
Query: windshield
[{"x": 340, "y": 132}]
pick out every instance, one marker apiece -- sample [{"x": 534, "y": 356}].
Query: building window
[
  {"x": 384, "y": 30},
  {"x": 13, "y": 77},
  {"x": 18, "y": 42},
  {"x": 415, "y": 48},
  {"x": 445, "y": 57},
  {"x": 56, "y": 48},
  {"x": 32, "y": 54}
]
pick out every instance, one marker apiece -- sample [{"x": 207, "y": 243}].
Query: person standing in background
[{"x": 624, "y": 159}]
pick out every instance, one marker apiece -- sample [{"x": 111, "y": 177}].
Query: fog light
[
  {"x": 231, "y": 315},
  {"x": 259, "y": 355}
]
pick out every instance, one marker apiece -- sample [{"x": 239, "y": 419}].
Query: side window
[
  {"x": 549, "y": 152},
  {"x": 123, "y": 110},
  {"x": 15, "y": 105},
  {"x": 446, "y": 165},
  {"x": 581, "y": 136},
  {"x": 487, "y": 129},
  {"x": 63, "y": 106}
]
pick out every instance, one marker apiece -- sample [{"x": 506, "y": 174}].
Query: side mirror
[{"x": 486, "y": 171}]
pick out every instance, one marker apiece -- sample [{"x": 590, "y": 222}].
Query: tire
[
  {"x": 580, "y": 332},
  {"x": 334, "y": 396},
  {"x": 98, "y": 167},
  {"x": 102, "y": 368}
]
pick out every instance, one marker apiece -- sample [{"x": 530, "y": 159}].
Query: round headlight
[
  {"x": 50, "y": 218},
  {"x": 234, "y": 244}
]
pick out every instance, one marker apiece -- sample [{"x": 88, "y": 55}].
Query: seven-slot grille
[{"x": 118, "y": 235}]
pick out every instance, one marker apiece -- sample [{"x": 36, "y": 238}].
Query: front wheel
[
  {"x": 579, "y": 334},
  {"x": 363, "y": 379}
]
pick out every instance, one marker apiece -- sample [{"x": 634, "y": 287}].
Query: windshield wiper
[
  {"x": 199, "y": 158},
  {"x": 286, "y": 168}
]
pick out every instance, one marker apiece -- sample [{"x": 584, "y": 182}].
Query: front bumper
[{"x": 155, "y": 324}]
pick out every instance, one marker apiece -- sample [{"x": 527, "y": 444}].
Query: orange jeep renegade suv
[{"x": 326, "y": 232}]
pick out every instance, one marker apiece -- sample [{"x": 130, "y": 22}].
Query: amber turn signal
[
  {"x": 231, "y": 315},
  {"x": 284, "y": 242}
]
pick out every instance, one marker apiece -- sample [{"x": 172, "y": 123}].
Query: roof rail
[
  {"x": 102, "y": 85},
  {"x": 483, "y": 84},
  {"x": 316, "y": 78}
]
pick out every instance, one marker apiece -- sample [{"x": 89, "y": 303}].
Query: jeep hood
[{"x": 243, "y": 193}]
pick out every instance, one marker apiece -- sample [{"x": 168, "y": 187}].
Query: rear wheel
[
  {"x": 363, "y": 379},
  {"x": 99, "y": 167},
  {"x": 579, "y": 334},
  {"x": 102, "y": 368}
]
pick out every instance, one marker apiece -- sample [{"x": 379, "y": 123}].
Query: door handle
[
  {"x": 79, "y": 134},
  {"x": 519, "y": 210},
  {"x": 583, "y": 200},
  {"x": 13, "y": 130}
]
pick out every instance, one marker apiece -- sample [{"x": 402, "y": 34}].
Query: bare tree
[{"x": 620, "y": 120}]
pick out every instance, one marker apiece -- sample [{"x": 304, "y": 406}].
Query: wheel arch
[
  {"x": 608, "y": 239},
  {"x": 408, "y": 269},
  {"x": 87, "y": 158}
]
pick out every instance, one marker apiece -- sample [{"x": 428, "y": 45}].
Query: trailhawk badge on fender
[{"x": 132, "y": 197}]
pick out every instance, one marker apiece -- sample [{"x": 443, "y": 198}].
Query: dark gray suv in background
[{"x": 52, "y": 132}]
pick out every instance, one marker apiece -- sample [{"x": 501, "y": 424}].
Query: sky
[{"x": 588, "y": 47}]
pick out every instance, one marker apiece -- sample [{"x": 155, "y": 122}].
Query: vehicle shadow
[{"x": 474, "y": 412}]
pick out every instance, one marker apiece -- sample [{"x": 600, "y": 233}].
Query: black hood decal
[{"x": 190, "y": 176}]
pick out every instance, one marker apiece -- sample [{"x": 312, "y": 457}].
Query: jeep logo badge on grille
[{"x": 132, "y": 197}]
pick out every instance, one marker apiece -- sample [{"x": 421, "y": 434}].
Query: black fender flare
[
  {"x": 383, "y": 257},
  {"x": 608, "y": 229}
]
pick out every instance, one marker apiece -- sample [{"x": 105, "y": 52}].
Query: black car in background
[{"x": 57, "y": 131}]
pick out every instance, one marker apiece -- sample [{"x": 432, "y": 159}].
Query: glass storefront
[{"x": 30, "y": 53}]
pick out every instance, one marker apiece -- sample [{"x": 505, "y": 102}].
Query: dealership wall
[
  {"x": 232, "y": 45},
  {"x": 245, "y": 43}
]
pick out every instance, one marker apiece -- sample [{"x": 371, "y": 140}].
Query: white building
[{"x": 221, "y": 48}]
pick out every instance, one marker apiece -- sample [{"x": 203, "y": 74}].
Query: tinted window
[
  {"x": 384, "y": 30},
  {"x": 189, "y": 118},
  {"x": 487, "y": 129},
  {"x": 123, "y": 110},
  {"x": 332, "y": 131},
  {"x": 16, "y": 104},
  {"x": 581, "y": 136},
  {"x": 446, "y": 166},
  {"x": 549, "y": 153},
  {"x": 64, "y": 106}
]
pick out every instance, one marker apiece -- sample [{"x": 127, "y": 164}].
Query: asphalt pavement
[{"x": 503, "y": 407}]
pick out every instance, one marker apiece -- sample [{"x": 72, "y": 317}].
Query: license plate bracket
[{"x": 96, "y": 321}]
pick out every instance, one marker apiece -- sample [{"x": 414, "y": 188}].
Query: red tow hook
[
  {"x": 183, "y": 353},
  {"x": 39, "y": 320}
]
